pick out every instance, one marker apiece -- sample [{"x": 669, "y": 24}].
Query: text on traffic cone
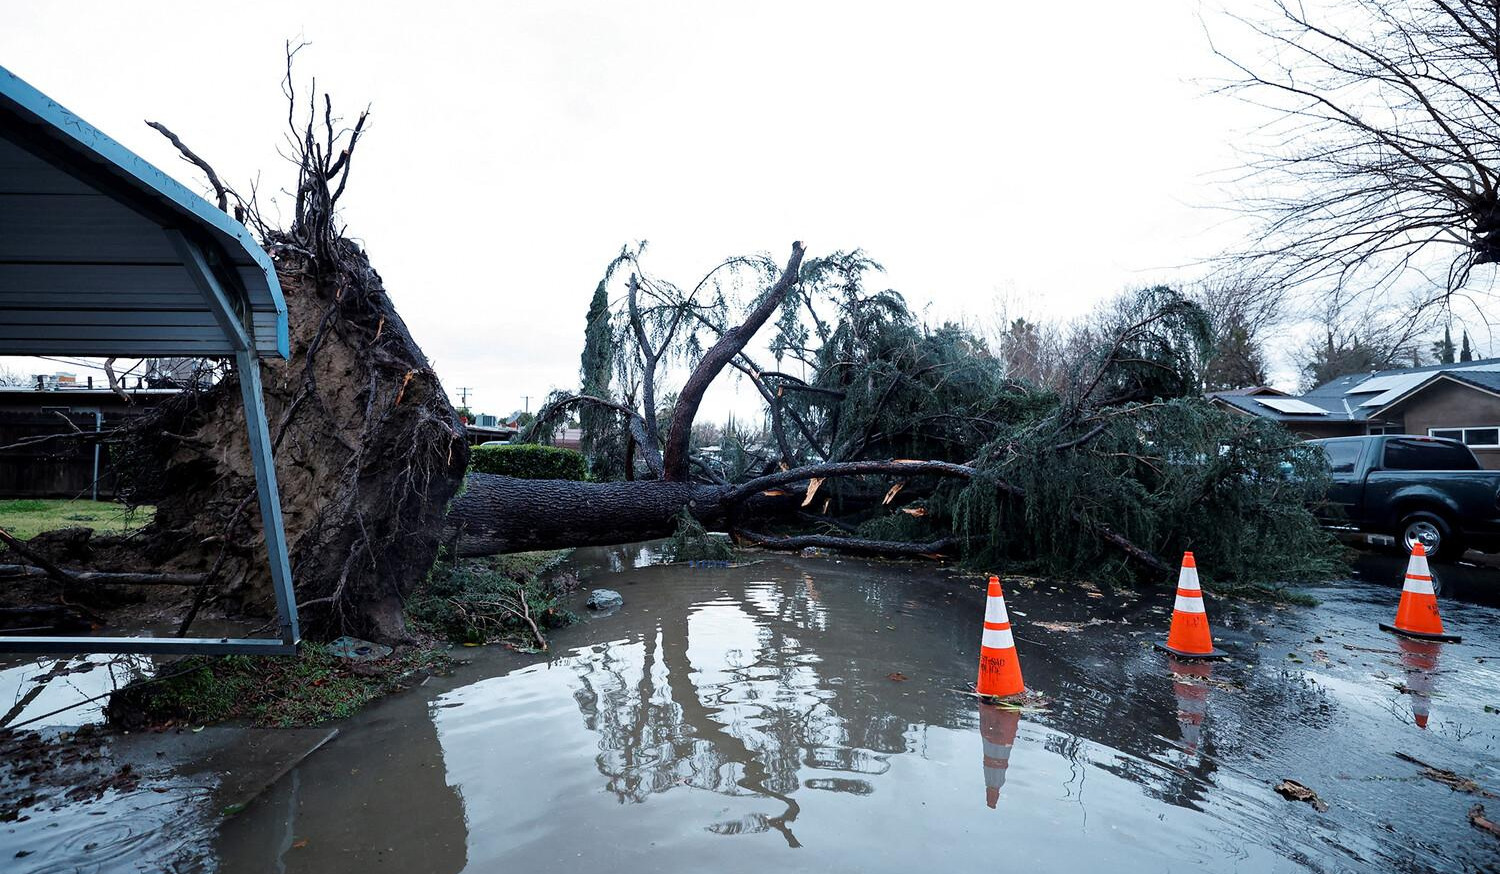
[
  {"x": 999, "y": 667},
  {"x": 1417, "y": 614}
]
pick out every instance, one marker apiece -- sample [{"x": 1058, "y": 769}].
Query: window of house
[
  {"x": 1386, "y": 429},
  {"x": 1419, "y": 454},
  {"x": 1482, "y": 436}
]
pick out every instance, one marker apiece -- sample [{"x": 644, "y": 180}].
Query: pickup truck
[{"x": 1415, "y": 489}]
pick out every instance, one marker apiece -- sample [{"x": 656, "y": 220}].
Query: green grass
[
  {"x": 275, "y": 691},
  {"x": 27, "y": 518}
]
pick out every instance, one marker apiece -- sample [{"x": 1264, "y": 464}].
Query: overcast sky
[{"x": 1047, "y": 155}]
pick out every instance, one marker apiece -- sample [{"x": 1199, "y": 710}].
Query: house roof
[
  {"x": 1253, "y": 390},
  {"x": 1364, "y": 397},
  {"x": 103, "y": 254}
]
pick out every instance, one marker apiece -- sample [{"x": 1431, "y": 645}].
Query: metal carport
[{"x": 102, "y": 254}]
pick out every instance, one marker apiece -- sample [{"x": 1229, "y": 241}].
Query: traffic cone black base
[
  {"x": 1214, "y": 653},
  {"x": 1417, "y": 635}
]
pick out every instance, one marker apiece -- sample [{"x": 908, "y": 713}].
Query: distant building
[{"x": 1457, "y": 401}]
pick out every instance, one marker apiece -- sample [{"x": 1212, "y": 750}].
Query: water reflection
[
  {"x": 717, "y": 699},
  {"x": 1419, "y": 661},
  {"x": 1190, "y": 688},
  {"x": 48, "y": 692},
  {"x": 997, "y": 732},
  {"x": 727, "y": 716}
]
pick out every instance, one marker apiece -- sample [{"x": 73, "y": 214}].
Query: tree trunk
[{"x": 497, "y": 514}]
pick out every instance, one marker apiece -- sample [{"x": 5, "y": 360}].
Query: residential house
[{"x": 1457, "y": 401}]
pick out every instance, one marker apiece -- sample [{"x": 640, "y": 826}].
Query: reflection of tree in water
[{"x": 750, "y": 723}]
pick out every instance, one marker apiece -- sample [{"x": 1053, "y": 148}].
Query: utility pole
[
  {"x": 526, "y": 401},
  {"x": 463, "y": 396}
]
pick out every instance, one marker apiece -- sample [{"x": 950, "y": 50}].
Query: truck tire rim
[{"x": 1425, "y": 533}]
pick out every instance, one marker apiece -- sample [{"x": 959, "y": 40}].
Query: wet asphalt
[{"x": 808, "y": 715}]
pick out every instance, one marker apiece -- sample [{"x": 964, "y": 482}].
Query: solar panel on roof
[
  {"x": 1379, "y": 384},
  {"x": 1292, "y": 406}
]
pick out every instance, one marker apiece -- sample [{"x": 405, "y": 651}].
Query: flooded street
[{"x": 802, "y": 715}]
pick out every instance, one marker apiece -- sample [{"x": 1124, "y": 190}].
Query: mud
[{"x": 804, "y": 715}]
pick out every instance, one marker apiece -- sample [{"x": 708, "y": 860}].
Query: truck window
[
  {"x": 1342, "y": 455},
  {"x": 1427, "y": 455}
]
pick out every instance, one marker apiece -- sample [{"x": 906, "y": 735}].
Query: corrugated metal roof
[{"x": 87, "y": 263}]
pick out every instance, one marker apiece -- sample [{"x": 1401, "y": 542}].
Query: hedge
[{"x": 529, "y": 461}]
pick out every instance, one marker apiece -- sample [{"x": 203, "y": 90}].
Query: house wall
[{"x": 1450, "y": 405}]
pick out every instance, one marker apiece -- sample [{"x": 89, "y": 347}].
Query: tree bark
[
  {"x": 498, "y": 514},
  {"x": 679, "y": 435}
]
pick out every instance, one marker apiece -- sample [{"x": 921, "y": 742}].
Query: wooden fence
[{"x": 59, "y": 468}]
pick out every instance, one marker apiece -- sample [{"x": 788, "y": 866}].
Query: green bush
[{"x": 529, "y": 461}]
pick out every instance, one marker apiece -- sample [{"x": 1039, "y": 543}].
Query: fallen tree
[
  {"x": 900, "y": 439},
  {"x": 1124, "y": 465}
]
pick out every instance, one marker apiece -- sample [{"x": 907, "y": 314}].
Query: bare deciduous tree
[{"x": 1383, "y": 169}]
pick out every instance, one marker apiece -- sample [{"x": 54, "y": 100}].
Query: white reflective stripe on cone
[
  {"x": 1418, "y": 566},
  {"x": 1188, "y": 579},
  {"x": 1418, "y": 587},
  {"x": 997, "y": 751},
  {"x": 1189, "y": 604},
  {"x": 994, "y": 611},
  {"x": 998, "y": 639}
]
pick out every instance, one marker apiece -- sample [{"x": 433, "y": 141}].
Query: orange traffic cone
[
  {"x": 999, "y": 667},
  {"x": 997, "y": 728},
  {"x": 1189, "y": 636},
  {"x": 1417, "y": 615},
  {"x": 1419, "y": 659}
]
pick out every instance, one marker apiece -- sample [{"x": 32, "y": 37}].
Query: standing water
[
  {"x": 809, "y": 715},
  {"x": 804, "y": 715}
]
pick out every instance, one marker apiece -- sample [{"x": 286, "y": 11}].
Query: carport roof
[{"x": 103, "y": 254}]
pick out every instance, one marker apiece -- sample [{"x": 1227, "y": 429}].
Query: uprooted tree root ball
[{"x": 368, "y": 453}]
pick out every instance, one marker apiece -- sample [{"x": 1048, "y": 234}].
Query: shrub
[
  {"x": 692, "y": 542},
  {"x": 529, "y": 461},
  {"x": 494, "y": 598}
]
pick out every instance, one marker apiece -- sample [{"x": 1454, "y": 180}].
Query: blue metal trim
[
  {"x": 65, "y": 125},
  {"x": 230, "y": 320},
  {"x": 248, "y": 366},
  {"x": 148, "y": 645}
]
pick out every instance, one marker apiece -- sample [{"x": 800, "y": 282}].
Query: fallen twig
[
  {"x": 1446, "y": 777},
  {"x": 1478, "y": 820},
  {"x": 105, "y": 577}
]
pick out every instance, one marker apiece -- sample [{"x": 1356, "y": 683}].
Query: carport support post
[{"x": 248, "y": 365}]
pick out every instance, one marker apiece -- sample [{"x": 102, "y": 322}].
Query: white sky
[{"x": 1050, "y": 155}]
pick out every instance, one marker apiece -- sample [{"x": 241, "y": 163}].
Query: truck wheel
[{"x": 1434, "y": 533}]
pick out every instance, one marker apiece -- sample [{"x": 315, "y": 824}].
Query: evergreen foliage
[
  {"x": 1116, "y": 442},
  {"x": 529, "y": 461},
  {"x": 602, "y": 433},
  {"x": 1169, "y": 476}
]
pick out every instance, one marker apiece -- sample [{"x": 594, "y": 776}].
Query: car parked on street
[{"x": 1415, "y": 489}]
